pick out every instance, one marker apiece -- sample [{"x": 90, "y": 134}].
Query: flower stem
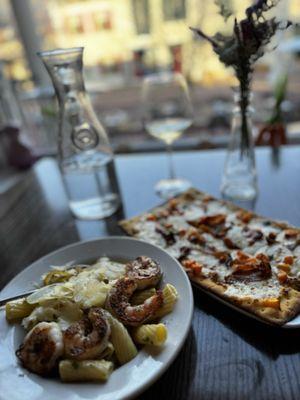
[{"x": 244, "y": 103}]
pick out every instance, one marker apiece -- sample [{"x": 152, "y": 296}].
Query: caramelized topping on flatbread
[
  {"x": 224, "y": 257},
  {"x": 254, "y": 235},
  {"x": 229, "y": 243},
  {"x": 249, "y": 269},
  {"x": 271, "y": 238},
  {"x": 245, "y": 216},
  {"x": 195, "y": 237},
  {"x": 184, "y": 252},
  {"x": 210, "y": 220},
  {"x": 282, "y": 276},
  {"x": 167, "y": 234},
  {"x": 294, "y": 283},
  {"x": 193, "y": 267},
  {"x": 291, "y": 233}
]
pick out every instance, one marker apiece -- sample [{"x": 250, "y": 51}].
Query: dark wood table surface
[{"x": 227, "y": 355}]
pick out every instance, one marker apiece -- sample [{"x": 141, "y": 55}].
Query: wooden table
[{"x": 226, "y": 355}]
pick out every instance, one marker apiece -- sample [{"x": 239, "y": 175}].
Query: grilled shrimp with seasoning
[
  {"x": 42, "y": 347},
  {"x": 145, "y": 271},
  {"x": 118, "y": 304},
  {"x": 87, "y": 338}
]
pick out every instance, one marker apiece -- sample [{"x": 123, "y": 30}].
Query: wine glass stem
[{"x": 171, "y": 163}]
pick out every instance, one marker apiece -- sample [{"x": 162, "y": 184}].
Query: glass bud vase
[
  {"x": 239, "y": 180},
  {"x": 84, "y": 153}
]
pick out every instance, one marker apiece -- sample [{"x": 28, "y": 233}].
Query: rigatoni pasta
[
  {"x": 107, "y": 352},
  {"x": 170, "y": 297},
  {"x": 152, "y": 334},
  {"x": 18, "y": 309},
  {"x": 124, "y": 347},
  {"x": 81, "y": 371}
]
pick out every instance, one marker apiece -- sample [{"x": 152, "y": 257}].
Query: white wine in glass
[{"x": 167, "y": 113}]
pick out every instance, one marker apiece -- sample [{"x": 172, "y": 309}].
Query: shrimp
[
  {"x": 87, "y": 338},
  {"x": 117, "y": 303},
  {"x": 42, "y": 347},
  {"x": 145, "y": 271}
]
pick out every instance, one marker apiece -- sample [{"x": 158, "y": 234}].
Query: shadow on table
[
  {"x": 272, "y": 341},
  {"x": 182, "y": 370}
]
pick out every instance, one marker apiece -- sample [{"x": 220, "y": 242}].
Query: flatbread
[{"x": 244, "y": 258}]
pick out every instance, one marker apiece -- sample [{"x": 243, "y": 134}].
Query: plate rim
[{"x": 164, "y": 366}]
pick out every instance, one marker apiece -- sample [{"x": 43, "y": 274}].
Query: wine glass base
[
  {"x": 167, "y": 188},
  {"x": 239, "y": 192}
]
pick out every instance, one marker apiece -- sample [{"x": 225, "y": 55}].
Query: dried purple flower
[{"x": 244, "y": 47}]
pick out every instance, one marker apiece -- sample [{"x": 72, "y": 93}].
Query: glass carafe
[
  {"x": 84, "y": 153},
  {"x": 239, "y": 180}
]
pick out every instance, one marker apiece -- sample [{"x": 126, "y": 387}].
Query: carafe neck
[{"x": 65, "y": 70}]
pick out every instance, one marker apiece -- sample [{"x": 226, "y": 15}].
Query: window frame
[
  {"x": 174, "y": 10},
  {"x": 142, "y": 25}
]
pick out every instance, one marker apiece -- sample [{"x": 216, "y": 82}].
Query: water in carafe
[{"x": 88, "y": 184}]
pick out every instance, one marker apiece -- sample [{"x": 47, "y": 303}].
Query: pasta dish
[{"x": 86, "y": 320}]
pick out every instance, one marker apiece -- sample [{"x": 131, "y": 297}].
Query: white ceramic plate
[{"x": 125, "y": 382}]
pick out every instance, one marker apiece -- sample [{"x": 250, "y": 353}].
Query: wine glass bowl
[{"x": 167, "y": 113}]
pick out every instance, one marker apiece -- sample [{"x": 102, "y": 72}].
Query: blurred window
[
  {"x": 11, "y": 50},
  {"x": 124, "y": 41},
  {"x": 174, "y": 9},
  {"x": 141, "y": 16},
  {"x": 103, "y": 21}
]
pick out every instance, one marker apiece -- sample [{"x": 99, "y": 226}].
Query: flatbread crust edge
[
  {"x": 289, "y": 303},
  {"x": 128, "y": 224}
]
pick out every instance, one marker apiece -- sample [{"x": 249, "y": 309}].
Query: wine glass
[{"x": 167, "y": 112}]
